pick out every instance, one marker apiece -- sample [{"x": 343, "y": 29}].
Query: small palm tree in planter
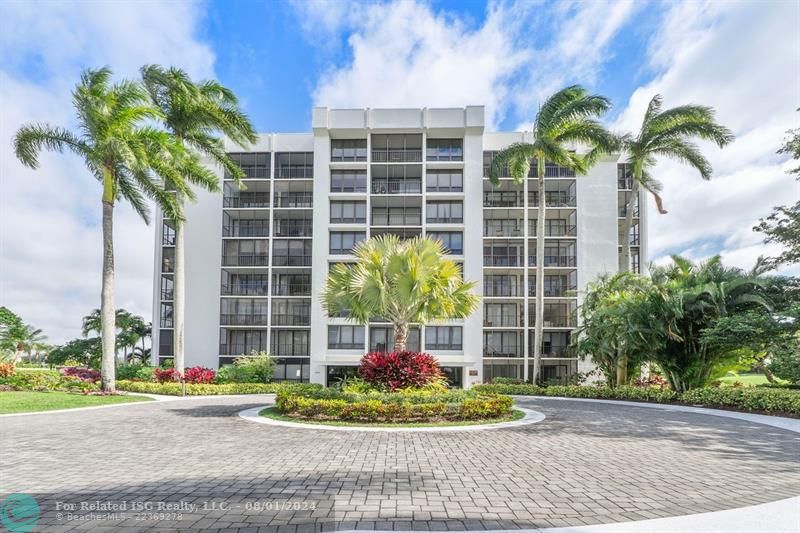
[{"x": 403, "y": 281}]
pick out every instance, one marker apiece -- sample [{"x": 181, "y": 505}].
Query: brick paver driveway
[{"x": 586, "y": 463}]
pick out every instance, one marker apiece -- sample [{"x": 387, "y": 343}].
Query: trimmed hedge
[
  {"x": 198, "y": 389},
  {"x": 47, "y": 381},
  {"x": 768, "y": 400},
  {"x": 329, "y": 404}
]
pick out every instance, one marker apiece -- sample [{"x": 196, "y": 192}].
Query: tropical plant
[
  {"x": 616, "y": 326},
  {"x": 399, "y": 370},
  {"x": 195, "y": 113},
  {"x": 403, "y": 281},
  {"x": 130, "y": 330},
  {"x": 565, "y": 119},
  {"x": 17, "y": 337},
  {"x": 124, "y": 155},
  {"x": 258, "y": 367},
  {"x": 86, "y": 352},
  {"x": 665, "y": 134},
  {"x": 693, "y": 298}
]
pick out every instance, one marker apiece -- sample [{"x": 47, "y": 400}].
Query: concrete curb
[{"x": 531, "y": 417}]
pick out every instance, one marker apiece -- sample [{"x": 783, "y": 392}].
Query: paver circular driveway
[{"x": 585, "y": 463}]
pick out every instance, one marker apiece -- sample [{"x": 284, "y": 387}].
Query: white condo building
[{"x": 257, "y": 259}]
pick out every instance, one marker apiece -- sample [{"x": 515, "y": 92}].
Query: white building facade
[{"x": 257, "y": 259}]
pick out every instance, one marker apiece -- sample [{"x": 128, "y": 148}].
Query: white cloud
[
  {"x": 742, "y": 58},
  {"x": 406, "y": 54},
  {"x": 50, "y": 236}
]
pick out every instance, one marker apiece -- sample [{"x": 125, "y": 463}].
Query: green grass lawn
[
  {"x": 27, "y": 402},
  {"x": 272, "y": 412},
  {"x": 749, "y": 380}
]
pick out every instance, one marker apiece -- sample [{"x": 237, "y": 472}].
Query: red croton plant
[{"x": 399, "y": 370}]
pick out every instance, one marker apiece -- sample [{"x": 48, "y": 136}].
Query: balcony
[
  {"x": 397, "y": 217},
  {"x": 291, "y": 260},
  {"x": 404, "y": 186},
  {"x": 243, "y": 320},
  {"x": 293, "y": 227},
  {"x": 502, "y": 286},
  {"x": 291, "y": 289},
  {"x": 445, "y": 150},
  {"x": 555, "y": 260},
  {"x": 244, "y": 289},
  {"x": 167, "y": 294},
  {"x": 259, "y": 229},
  {"x": 289, "y": 349},
  {"x": 553, "y": 199},
  {"x": 240, "y": 348},
  {"x": 511, "y": 350},
  {"x": 245, "y": 260},
  {"x": 397, "y": 156},
  {"x": 294, "y": 199},
  {"x": 502, "y": 228},
  {"x": 502, "y": 199},
  {"x": 555, "y": 316},
  {"x": 502, "y": 260},
  {"x": 553, "y": 288},
  {"x": 247, "y": 199},
  {"x": 554, "y": 228},
  {"x": 291, "y": 319}
]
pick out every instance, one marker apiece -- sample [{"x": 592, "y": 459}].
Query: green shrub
[
  {"x": 749, "y": 399},
  {"x": 258, "y": 367},
  {"x": 35, "y": 380},
  {"x": 198, "y": 389},
  {"x": 500, "y": 380},
  {"x": 135, "y": 371}
]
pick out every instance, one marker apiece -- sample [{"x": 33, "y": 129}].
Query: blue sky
[{"x": 283, "y": 57}]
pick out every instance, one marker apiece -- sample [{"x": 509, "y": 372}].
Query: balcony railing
[
  {"x": 283, "y": 349},
  {"x": 291, "y": 319},
  {"x": 243, "y": 320},
  {"x": 294, "y": 199},
  {"x": 502, "y": 228},
  {"x": 167, "y": 294},
  {"x": 443, "y": 346},
  {"x": 503, "y": 321},
  {"x": 444, "y": 220},
  {"x": 247, "y": 230},
  {"x": 244, "y": 289},
  {"x": 552, "y": 292},
  {"x": 555, "y": 260},
  {"x": 554, "y": 320},
  {"x": 245, "y": 260},
  {"x": 502, "y": 199},
  {"x": 292, "y": 289},
  {"x": 625, "y": 183},
  {"x": 554, "y": 199},
  {"x": 502, "y": 290},
  {"x": 555, "y": 351},
  {"x": 396, "y": 156},
  {"x": 293, "y": 228},
  {"x": 412, "y": 218},
  {"x": 502, "y": 351},
  {"x": 406, "y": 186},
  {"x": 502, "y": 260},
  {"x": 346, "y": 345},
  {"x": 444, "y": 188},
  {"x": 291, "y": 260},
  {"x": 240, "y": 348},
  {"x": 247, "y": 199},
  {"x": 554, "y": 230},
  {"x": 294, "y": 172}
]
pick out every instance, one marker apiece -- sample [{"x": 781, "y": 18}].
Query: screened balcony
[
  {"x": 396, "y": 179},
  {"x": 348, "y": 150},
  {"x": 556, "y": 285},
  {"x": 234, "y": 284},
  {"x": 287, "y": 226},
  {"x": 290, "y": 194},
  {"x": 291, "y": 313},
  {"x": 286, "y": 342},
  {"x": 444, "y": 150},
  {"x": 556, "y": 315},
  {"x": 237, "y": 342},
  {"x": 294, "y": 165},
  {"x": 502, "y": 223},
  {"x": 624, "y": 176},
  {"x": 254, "y": 164},
  {"x": 502, "y": 344},
  {"x": 255, "y": 196},
  {"x": 291, "y": 252},
  {"x": 502, "y": 315},
  {"x": 502, "y": 285},
  {"x": 556, "y": 254},
  {"x": 243, "y": 312},
  {"x": 503, "y": 254},
  {"x": 396, "y": 148},
  {"x": 245, "y": 224},
  {"x": 245, "y": 253},
  {"x": 288, "y": 284},
  {"x": 554, "y": 344},
  {"x": 555, "y": 227}
]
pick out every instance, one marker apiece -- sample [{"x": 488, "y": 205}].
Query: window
[
  {"x": 165, "y": 339},
  {"x": 348, "y": 149},
  {"x": 445, "y": 150},
  {"x": 244, "y": 284},
  {"x": 254, "y": 164},
  {"x": 291, "y": 285},
  {"x": 245, "y": 252},
  {"x": 166, "y": 315},
  {"x": 243, "y": 312},
  {"x": 348, "y": 212},
  {"x": 396, "y": 147},
  {"x": 445, "y": 181},
  {"x": 396, "y": 216},
  {"x": 168, "y": 260},
  {"x": 294, "y": 165},
  {"x": 295, "y": 312},
  {"x": 167, "y": 234},
  {"x": 502, "y": 285},
  {"x": 554, "y": 343},
  {"x": 242, "y": 341},
  {"x": 381, "y": 339},
  {"x": 443, "y": 337},
  {"x": 501, "y": 315},
  {"x": 444, "y": 212},
  {"x": 453, "y": 241},
  {"x": 343, "y": 242},
  {"x": 624, "y": 176},
  {"x": 503, "y": 254},
  {"x": 346, "y": 337},
  {"x": 348, "y": 181},
  {"x": 166, "y": 287},
  {"x": 291, "y": 252},
  {"x": 289, "y": 342},
  {"x": 502, "y": 344}
]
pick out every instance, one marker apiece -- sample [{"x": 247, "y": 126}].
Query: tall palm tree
[
  {"x": 122, "y": 154},
  {"x": 195, "y": 113},
  {"x": 403, "y": 281},
  {"x": 666, "y": 134},
  {"x": 565, "y": 119}
]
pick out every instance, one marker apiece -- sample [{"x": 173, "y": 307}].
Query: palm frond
[
  {"x": 31, "y": 139},
  {"x": 516, "y": 158}
]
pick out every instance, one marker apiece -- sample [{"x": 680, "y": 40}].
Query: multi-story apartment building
[{"x": 257, "y": 258}]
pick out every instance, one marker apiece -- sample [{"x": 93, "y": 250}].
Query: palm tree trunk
[
  {"x": 107, "y": 311},
  {"x": 400, "y": 336},
  {"x": 179, "y": 300},
  {"x": 625, "y": 260},
  {"x": 539, "y": 306}
]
